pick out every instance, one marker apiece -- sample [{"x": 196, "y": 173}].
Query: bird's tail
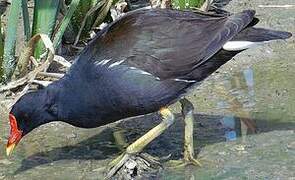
[
  {"x": 250, "y": 37},
  {"x": 247, "y": 38}
]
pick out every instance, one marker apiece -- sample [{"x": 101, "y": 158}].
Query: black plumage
[{"x": 145, "y": 60}]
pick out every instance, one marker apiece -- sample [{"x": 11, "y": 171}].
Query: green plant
[
  {"x": 187, "y": 4},
  {"x": 83, "y": 15},
  {"x": 78, "y": 17},
  {"x": 1, "y": 46},
  {"x": 10, "y": 40},
  {"x": 21, "y": 68},
  {"x": 44, "y": 21}
]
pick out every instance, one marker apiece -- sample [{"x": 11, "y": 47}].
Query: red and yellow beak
[
  {"x": 15, "y": 135},
  {"x": 9, "y": 149}
]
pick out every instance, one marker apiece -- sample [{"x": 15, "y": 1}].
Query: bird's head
[{"x": 29, "y": 112}]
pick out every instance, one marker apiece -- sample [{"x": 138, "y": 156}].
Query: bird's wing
[{"x": 165, "y": 43}]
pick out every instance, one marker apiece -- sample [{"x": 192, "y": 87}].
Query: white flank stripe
[
  {"x": 103, "y": 62},
  {"x": 145, "y": 73},
  {"x": 116, "y": 63},
  {"x": 147, "y": 7},
  {"x": 141, "y": 71},
  {"x": 184, "y": 80},
  {"x": 240, "y": 45}
]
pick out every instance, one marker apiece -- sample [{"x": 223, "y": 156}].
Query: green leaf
[
  {"x": 45, "y": 15},
  {"x": 78, "y": 21},
  {"x": 187, "y": 4},
  {"x": 1, "y": 47},
  {"x": 90, "y": 14},
  {"x": 10, "y": 40},
  {"x": 26, "y": 19},
  {"x": 103, "y": 13},
  {"x": 65, "y": 22}
]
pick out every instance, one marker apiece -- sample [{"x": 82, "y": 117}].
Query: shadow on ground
[{"x": 209, "y": 129}]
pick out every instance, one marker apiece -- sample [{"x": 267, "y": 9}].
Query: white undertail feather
[{"x": 241, "y": 45}]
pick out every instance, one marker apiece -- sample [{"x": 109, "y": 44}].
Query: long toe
[
  {"x": 115, "y": 165},
  {"x": 194, "y": 161},
  {"x": 182, "y": 163},
  {"x": 133, "y": 162}
]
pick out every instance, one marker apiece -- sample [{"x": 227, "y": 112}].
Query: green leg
[{"x": 142, "y": 142}]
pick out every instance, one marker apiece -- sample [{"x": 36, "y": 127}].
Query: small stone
[
  {"x": 5, "y": 162},
  {"x": 98, "y": 169},
  {"x": 240, "y": 147},
  {"x": 131, "y": 164},
  {"x": 291, "y": 145},
  {"x": 222, "y": 153},
  {"x": 71, "y": 136}
]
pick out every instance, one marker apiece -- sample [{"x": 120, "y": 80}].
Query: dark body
[{"x": 144, "y": 61}]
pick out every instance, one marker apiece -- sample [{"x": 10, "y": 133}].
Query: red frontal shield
[{"x": 15, "y": 133}]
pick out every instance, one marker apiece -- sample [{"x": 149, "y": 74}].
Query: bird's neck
[
  {"x": 51, "y": 102},
  {"x": 67, "y": 98}
]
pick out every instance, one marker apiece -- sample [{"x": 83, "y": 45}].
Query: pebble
[
  {"x": 240, "y": 147},
  {"x": 98, "y": 169},
  {"x": 222, "y": 153},
  {"x": 131, "y": 164},
  {"x": 71, "y": 136},
  {"x": 291, "y": 145},
  {"x": 5, "y": 162}
]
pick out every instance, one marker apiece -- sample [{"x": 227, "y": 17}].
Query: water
[{"x": 245, "y": 124}]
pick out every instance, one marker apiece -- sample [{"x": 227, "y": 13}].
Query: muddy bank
[
  {"x": 250, "y": 138},
  {"x": 253, "y": 157}
]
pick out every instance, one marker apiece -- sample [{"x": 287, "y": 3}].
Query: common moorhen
[{"x": 139, "y": 64}]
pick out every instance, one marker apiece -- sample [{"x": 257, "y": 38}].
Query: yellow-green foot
[
  {"x": 193, "y": 161},
  {"x": 133, "y": 162},
  {"x": 182, "y": 163}
]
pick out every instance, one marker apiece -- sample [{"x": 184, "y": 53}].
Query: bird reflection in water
[{"x": 241, "y": 88}]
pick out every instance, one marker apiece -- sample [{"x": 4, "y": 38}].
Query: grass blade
[
  {"x": 103, "y": 13},
  {"x": 186, "y": 4},
  {"x": 26, "y": 19},
  {"x": 10, "y": 40},
  {"x": 88, "y": 15},
  {"x": 45, "y": 14},
  {"x": 1, "y": 47},
  {"x": 65, "y": 22},
  {"x": 81, "y": 22}
]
